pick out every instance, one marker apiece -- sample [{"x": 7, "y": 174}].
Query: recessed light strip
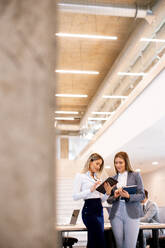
[
  {"x": 71, "y": 95},
  {"x": 64, "y": 118},
  {"x": 77, "y": 72},
  {"x": 152, "y": 40},
  {"x": 132, "y": 73},
  {"x": 88, "y": 36},
  {"x": 115, "y": 97},
  {"x": 66, "y": 112}
]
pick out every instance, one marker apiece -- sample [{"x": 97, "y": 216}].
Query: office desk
[
  {"x": 68, "y": 228},
  {"x": 77, "y": 228},
  {"x": 155, "y": 232},
  {"x": 74, "y": 228},
  {"x": 147, "y": 226}
]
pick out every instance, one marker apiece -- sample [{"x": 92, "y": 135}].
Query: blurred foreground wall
[{"x": 27, "y": 62}]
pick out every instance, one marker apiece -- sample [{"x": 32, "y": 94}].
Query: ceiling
[
  {"x": 89, "y": 54},
  {"x": 104, "y": 56}
]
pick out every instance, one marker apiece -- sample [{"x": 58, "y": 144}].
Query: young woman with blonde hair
[{"x": 85, "y": 188}]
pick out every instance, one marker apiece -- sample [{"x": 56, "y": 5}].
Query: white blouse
[
  {"x": 82, "y": 185},
  {"x": 122, "y": 179}
]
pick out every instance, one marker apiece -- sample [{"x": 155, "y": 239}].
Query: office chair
[{"x": 68, "y": 242}]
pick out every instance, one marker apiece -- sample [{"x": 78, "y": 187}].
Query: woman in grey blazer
[{"x": 126, "y": 208}]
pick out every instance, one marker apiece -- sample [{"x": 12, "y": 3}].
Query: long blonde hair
[
  {"x": 93, "y": 157},
  {"x": 124, "y": 156}
]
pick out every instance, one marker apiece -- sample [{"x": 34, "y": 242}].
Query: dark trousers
[{"x": 92, "y": 215}]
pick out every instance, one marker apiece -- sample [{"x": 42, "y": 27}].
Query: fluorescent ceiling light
[
  {"x": 115, "y": 97},
  {"x": 71, "y": 95},
  {"x": 64, "y": 118},
  {"x": 152, "y": 40},
  {"x": 155, "y": 163},
  {"x": 132, "y": 73},
  {"x": 88, "y": 36},
  {"x": 102, "y": 113},
  {"x": 138, "y": 170},
  {"x": 97, "y": 118},
  {"x": 66, "y": 112},
  {"x": 77, "y": 72}
]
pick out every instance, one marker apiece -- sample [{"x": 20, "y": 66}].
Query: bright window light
[
  {"x": 155, "y": 163},
  {"x": 77, "y": 72},
  {"x": 66, "y": 112},
  {"x": 152, "y": 40},
  {"x": 88, "y": 136},
  {"x": 64, "y": 118},
  {"x": 88, "y": 36},
  {"x": 102, "y": 113},
  {"x": 115, "y": 97},
  {"x": 132, "y": 73},
  {"x": 97, "y": 119},
  {"x": 71, "y": 95}
]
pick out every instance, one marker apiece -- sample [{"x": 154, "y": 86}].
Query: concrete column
[{"x": 27, "y": 52}]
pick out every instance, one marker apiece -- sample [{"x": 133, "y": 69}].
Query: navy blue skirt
[{"x": 92, "y": 215}]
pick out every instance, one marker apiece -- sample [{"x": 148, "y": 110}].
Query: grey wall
[{"x": 27, "y": 82}]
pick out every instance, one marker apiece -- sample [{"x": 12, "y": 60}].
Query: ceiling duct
[{"x": 107, "y": 10}]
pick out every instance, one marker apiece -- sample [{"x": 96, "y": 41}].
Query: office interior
[
  {"x": 77, "y": 77},
  {"x": 124, "y": 105}
]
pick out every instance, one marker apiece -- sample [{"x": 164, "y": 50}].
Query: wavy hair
[
  {"x": 124, "y": 156},
  {"x": 93, "y": 157}
]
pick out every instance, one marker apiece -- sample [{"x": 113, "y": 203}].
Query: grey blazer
[
  {"x": 133, "y": 204},
  {"x": 151, "y": 213}
]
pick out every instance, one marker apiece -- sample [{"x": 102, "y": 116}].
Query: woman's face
[
  {"x": 95, "y": 165},
  {"x": 120, "y": 164}
]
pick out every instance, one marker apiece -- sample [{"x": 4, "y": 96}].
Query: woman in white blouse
[{"x": 85, "y": 188}]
